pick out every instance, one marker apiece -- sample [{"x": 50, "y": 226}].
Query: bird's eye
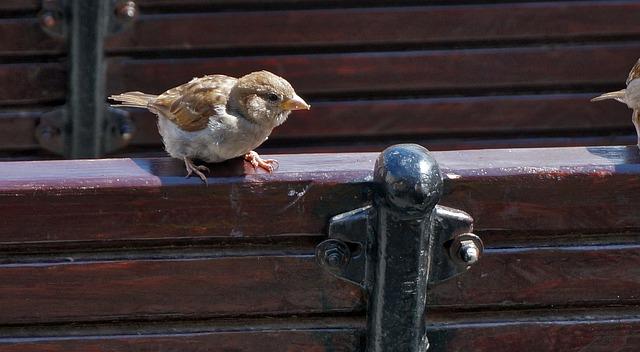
[{"x": 273, "y": 97}]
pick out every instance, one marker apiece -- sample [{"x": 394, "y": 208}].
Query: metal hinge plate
[
  {"x": 345, "y": 254},
  {"x": 53, "y": 130}
]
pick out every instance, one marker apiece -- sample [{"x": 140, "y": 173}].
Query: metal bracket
[
  {"x": 83, "y": 128},
  {"x": 399, "y": 246},
  {"x": 52, "y": 17},
  {"x": 53, "y": 130},
  {"x": 344, "y": 254}
]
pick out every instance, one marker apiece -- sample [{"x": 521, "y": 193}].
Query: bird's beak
[{"x": 295, "y": 103}]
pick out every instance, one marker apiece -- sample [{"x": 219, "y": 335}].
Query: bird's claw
[
  {"x": 196, "y": 169},
  {"x": 256, "y": 161}
]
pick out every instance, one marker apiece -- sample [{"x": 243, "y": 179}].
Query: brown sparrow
[
  {"x": 629, "y": 96},
  {"x": 216, "y": 117}
]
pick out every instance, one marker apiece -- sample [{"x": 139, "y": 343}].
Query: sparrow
[
  {"x": 216, "y": 117},
  {"x": 629, "y": 96}
]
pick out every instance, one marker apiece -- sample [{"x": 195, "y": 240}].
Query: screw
[
  {"x": 48, "y": 20},
  {"x": 126, "y": 10},
  {"x": 469, "y": 252}
]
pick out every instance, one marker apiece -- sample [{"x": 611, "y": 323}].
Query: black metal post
[
  {"x": 411, "y": 186},
  {"x": 86, "y": 109}
]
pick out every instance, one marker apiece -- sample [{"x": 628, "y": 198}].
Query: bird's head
[{"x": 265, "y": 98}]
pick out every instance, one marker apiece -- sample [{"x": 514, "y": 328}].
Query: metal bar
[
  {"x": 86, "y": 113},
  {"x": 411, "y": 186}
]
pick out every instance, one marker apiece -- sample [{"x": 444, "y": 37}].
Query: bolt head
[
  {"x": 127, "y": 10},
  {"x": 48, "y": 20},
  {"x": 469, "y": 252},
  {"x": 335, "y": 254},
  {"x": 466, "y": 249}
]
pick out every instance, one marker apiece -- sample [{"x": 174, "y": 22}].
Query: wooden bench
[
  {"x": 127, "y": 254},
  {"x": 450, "y": 75}
]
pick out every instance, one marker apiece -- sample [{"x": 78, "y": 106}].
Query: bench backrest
[{"x": 456, "y": 75}]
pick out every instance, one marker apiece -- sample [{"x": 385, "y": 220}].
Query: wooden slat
[
  {"x": 244, "y": 340},
  {"x": 177, "y": 4},
  {"x": 555, "y": 276},
  {"x": 297, "y": 201},
  {"x": 582, "y": 331},
  {"x": 366, "y": 26},
  {"x": 422, "y": 71},
  {"x": 443, "y": 117},
  {"x": 525, "y": 190},
  {"x": 23, "y": 36},
  {"x": 17, "y": 129},
  {"x": 86, "y": 291},
  {"x": 23, "y": 5},
  {"x": 538, "y": 190},
  {"x": 32, "y": 83}
]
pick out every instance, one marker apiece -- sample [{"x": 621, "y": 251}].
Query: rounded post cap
[{"x": 410, "y": 177}]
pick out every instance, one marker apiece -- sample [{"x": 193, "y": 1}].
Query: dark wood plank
[
  {"x": 365, "y": 26},
  {"x": 204, "y": 4},
  {"x": 451, "y": 116},
  {"x": 17, "y": 129},
  {"x": 579, "y": 331},
  {"x": 482, "y": 117},
  {"x": 413, "y": 71},
  {"x": 272, "y": 340},
  {"x": 552, "y": 190},
  {"x": 514, "y": 190},
  {"x": 32, "y": 83},
  {"x": 554, "y": 276},
  {"x": 440, "y": 143},
  {"x": 296, "y": 200},
  {"x": 24, "y": 5},
  {"x": 189, "y": 288},
  {"x": 23, "y": 36},
  {"x": 437, "y": 116}
]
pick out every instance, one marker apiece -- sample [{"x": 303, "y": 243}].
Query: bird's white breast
[{"x": 224, "y": 138}]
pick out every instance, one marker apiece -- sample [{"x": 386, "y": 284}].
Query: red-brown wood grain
[
  {"x": 593, "y": 330},
  {"x": 379, "y": 26},
  {"x": 172, "y": 288},
  {"x": 24, "y": 83},
  {"x": 514, "y": 190},
  {"x": 167, "y": 205},
  {"x": 241, "y": 339},
  {"x": 23, "y": 36},
  {"x": 424, "y": 120},
  {"x": 393, "y": 72},
  {"x": 420, "y": 118},
  {"x": 545, "y": 276},
  {"x": 12, "y": 5},
  {"x": 17, "y": 129}
]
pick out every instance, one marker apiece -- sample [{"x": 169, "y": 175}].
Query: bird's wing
[
  {"x": 634, "y": 73},
  {"x": 192, "y": 104}
]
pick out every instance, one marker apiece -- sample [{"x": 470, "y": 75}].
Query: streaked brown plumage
[
  {"x": 217, "y": 117},
  {"x": 629, "y": 96}
]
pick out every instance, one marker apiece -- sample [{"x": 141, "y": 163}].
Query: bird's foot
[
  {"x": 195, "y": 169},
  {"x": 257, "y": 162}
]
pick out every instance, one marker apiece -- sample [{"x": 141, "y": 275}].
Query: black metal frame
[
  {"x": 85, "y": 127},
  {"x": 399, "y": 246}
]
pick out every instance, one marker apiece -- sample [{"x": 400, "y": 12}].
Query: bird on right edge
[{"x": 629, "y": 96}]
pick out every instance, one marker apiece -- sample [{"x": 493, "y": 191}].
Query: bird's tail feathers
[
  {"x": 133, "y": 99},
  {"x": 617, "y": 95}
]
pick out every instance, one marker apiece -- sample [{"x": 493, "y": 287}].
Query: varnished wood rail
[{"x": 124, "y": 254}]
